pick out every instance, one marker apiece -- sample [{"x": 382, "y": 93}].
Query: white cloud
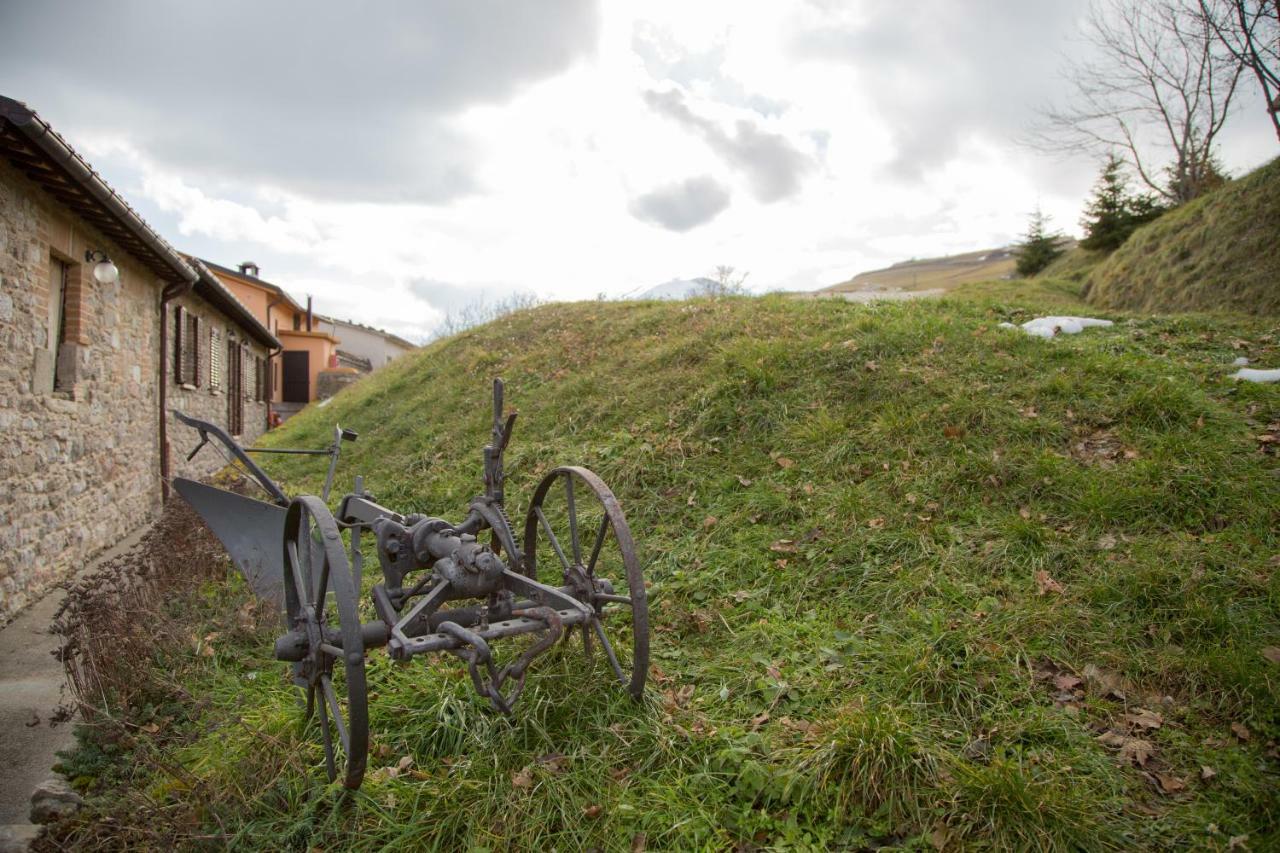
[{"x": 810, "y": 141}]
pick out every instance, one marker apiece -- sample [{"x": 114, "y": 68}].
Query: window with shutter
[
  {"x": 179, "y": 324},
  {"x": 193, "y": 345},
  {"x": 215, "y": 359}
]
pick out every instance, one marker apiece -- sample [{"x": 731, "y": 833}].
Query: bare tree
[
  {"x": 482, "y": 311},
  {"x": 1250, "y": 32},
  {"x": 725, "y": 283},
  {"x": 1158, "y": 89}
]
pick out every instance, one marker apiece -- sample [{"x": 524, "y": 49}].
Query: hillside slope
[
  {"x": 916, "y": 580},
  {"x": 1219, "y": 252},
  {"x": 933, "y": 273}
]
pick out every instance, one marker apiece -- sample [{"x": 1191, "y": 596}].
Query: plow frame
[{"x": 292, "y": 552}]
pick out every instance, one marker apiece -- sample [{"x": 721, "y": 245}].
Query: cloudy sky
[{"x": 396, "y": 159}]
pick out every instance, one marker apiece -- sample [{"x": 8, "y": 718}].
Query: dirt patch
[{"x": 1101, "y": 448}]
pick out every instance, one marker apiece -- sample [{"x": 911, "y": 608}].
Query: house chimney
[
  {"x": 308, "y": 313},
  {"x": 249, "y": 268}
]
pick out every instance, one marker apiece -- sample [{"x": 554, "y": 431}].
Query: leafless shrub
[
  {"x": 482, "y": 311},
  {"x": 116, "y": 616}
]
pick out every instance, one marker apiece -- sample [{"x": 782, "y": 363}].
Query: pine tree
[
  {"x": 1113, "y": 213},
  {"x": 1038, "y": 247}
]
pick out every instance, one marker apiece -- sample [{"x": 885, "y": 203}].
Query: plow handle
[
  {"x": 493, "y": 473},
  {"x": 208, "y": 430}
]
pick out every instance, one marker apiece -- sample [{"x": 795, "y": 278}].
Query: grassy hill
[
  {"x": 917, "y": 581},
  {"x": 933, "y": 273},
  {"x": 1217, "y": 253}
]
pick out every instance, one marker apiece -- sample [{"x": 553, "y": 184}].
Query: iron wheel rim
[
  {"x": 569, "y": 552},
  {"x": 311, "y": 574}
]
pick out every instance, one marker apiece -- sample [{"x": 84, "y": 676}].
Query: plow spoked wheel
[
  {"x": 576, "y": 535},
  {"x": 320, "y": 600}
]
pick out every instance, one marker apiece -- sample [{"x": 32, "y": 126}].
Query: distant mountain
[{"x": 677, "y": 288}]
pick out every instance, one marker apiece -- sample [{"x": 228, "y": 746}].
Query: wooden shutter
[
  {"x": 179, "y": 322},
  {"x": 215, "y": 359},
  {"x": 195, "y": 350}
]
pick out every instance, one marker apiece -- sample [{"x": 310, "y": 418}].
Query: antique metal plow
[{"x": 575, "y": 570}]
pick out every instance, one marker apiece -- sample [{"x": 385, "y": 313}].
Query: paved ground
[{"x": 30, "y": 691}]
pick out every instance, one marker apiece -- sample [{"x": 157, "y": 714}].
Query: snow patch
[
  {"x": 1048, "y": 327},
  {"x": 1240, "y": 362},
  {"x": 1249, "y": 374}
]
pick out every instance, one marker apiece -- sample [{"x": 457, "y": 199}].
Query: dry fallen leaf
[
  {"x": 1207, "y": 772},
  {"x": 1133, "y": 750},
  {"x": 1169, "y": 784},
  {"x": 1271, "y": 653},
  {"x": 1065, "y": 681},
  {"x": 1046, "y": 584},
  {"x": 1145, "y": 719},
  {"x": 639, "y": 842},
  {"x": 784, "y": 462},
  {"x": 743, "y": 481},
  {"x": 1240, "y": 730},
  {"x": 783, "y": 546},
  {"x": 1137, "y": 751},
  {"x": 1025, "y": 512},
  {"x": 1106, "y": 542},
  {"x": 591, "y": 811},
  {"x": 523, "y": 778},
  {"x": 759, "y": 720},
  {"x": 953, "y": 431},
  {"x": 875, "y": 523},
  {"x": 1103, "y": 682},
  {"x": 709, "y": 521}
]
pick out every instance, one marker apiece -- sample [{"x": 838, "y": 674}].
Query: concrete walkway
[{"x": 31, "y": 683}]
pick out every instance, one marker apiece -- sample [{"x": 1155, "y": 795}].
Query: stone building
[{"x": 103, "y": 328}]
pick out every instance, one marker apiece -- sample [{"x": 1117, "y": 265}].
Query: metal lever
[{"x": 204, "y": 439}]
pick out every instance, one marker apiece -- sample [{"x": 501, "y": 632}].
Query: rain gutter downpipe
[{"x": 171, "y": 291}]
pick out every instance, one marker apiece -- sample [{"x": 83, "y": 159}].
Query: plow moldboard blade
[{"x": 252, "y": 531}]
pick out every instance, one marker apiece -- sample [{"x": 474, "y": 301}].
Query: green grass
[
  {"x": 885, "y": 678},
  {"x": 1217, "y": 253}
]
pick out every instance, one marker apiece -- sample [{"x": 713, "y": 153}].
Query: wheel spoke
[
  {"x": 608, "y": 650},
  {"x": 311, "y": 703},
  {"x": 331, "y": 697},
  {"x": 322, "y": 588},
  {"x": 551, "y": 536},
  {"x": 595, "y": 550},
  {"x": 329, "y": 762},
  {"x": 304, "y": 594},
  {"x": 573, "y": 520}
]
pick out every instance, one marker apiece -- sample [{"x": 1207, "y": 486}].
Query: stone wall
[
  {"x": 79, "y": 443},
  {"x": 207, "y": 399},
  {"x": 78, "y": 461}
]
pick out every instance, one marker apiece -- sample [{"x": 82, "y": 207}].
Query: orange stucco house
[{"x": 294, "y": 373}]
